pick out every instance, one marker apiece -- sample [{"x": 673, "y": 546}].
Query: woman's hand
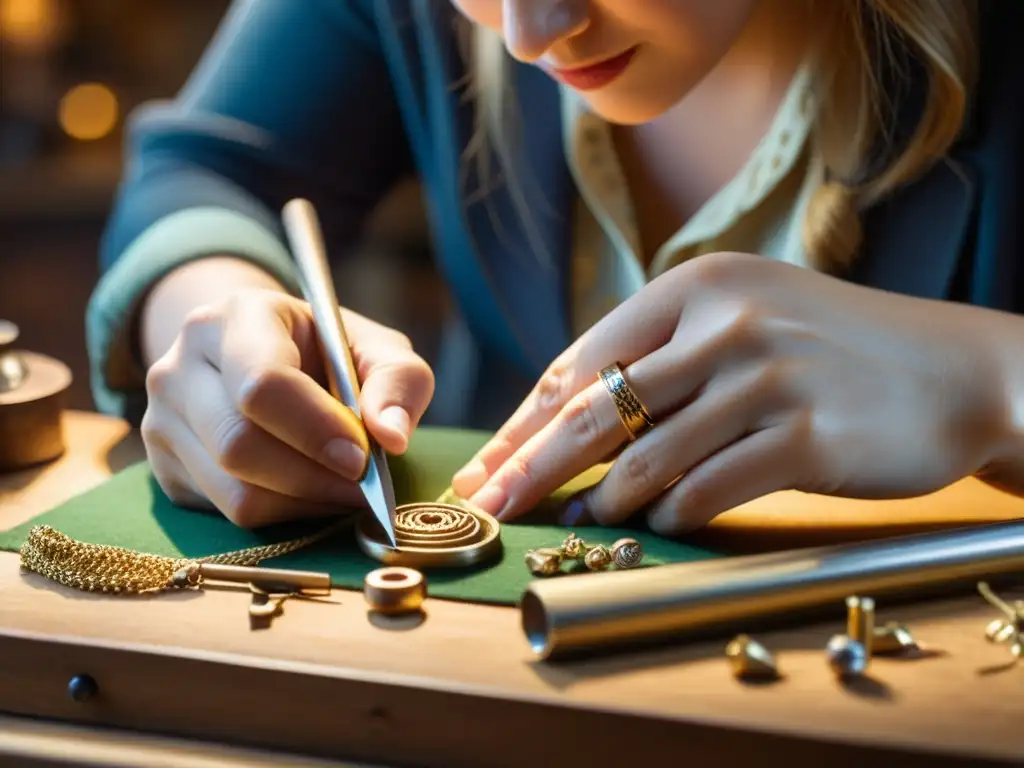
[
  {"x": 760, "y": 377},
  {"x": 239, "y": 419}
]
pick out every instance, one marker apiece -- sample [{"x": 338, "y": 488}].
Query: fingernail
[
  {"x": 345, "y": 457},
  {"x": 669, "y": 521},
  {"x": 396, "y": 418},
  {"x": 470, "y": 478},
  {"x": 575, "y": 512},
  {"x": 491, "y": 499}
]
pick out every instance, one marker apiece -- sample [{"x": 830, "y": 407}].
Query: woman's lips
[{"x": 595, "y": 75}]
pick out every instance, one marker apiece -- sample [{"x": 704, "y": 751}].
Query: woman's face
[{"x": 630, "y": 59}]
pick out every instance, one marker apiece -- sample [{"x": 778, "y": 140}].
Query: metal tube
[
  {"x": 584, "y": 613},
  {"x": 860, "y": 622},
  {"x": 239, "y": 574}
]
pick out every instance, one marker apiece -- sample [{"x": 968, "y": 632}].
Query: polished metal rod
[
  {"x": 243, "y": 574},
  {"x": 306, "y": 240},
  {"x": 587, "y": 613}
]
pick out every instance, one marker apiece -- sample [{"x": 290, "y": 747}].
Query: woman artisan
[{"x": 744, "y": 245}]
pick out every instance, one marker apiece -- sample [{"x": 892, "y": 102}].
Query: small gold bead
[
  {"x": 544, "y": 562},
  {"x": 598, "y": 558},
  {"x": 573, "y": 547},
  {"x": 627, "y": 553}
]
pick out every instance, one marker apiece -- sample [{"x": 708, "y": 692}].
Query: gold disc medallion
[{"x": 432, "y": 535}]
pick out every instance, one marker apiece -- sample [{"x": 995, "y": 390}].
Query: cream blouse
[{"x": 759, "y": 211}]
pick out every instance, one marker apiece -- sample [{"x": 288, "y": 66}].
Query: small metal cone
[
  {"x": 379, "y": 494},
  {"x": 893, "y": 640},
  {"x": 753, "y": 660}
]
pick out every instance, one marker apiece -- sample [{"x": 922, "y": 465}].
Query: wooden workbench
[{"x": 461, "y": 688}]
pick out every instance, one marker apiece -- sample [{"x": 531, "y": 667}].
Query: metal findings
[
  {"x": 627, "y": 553},
  {"x": 432, "y": 535},
  {"x": 573, "y": 548},
  {"x": 846, "y": 657},
  {"x": 544, "y": 562},
  {"x": 1006, "y": 630},
  {"x": 1000, "y": 631},
  {"x": 623, "y": 554},
  {"x": 860, "y": 623},
  {"x": 750, "y": 660},
  {"x": 268, "y": 597},
  {"x": 597, "y": 558},
  {"x": 849, "y": 655},
  {"x": 893, "y": 638},
  {"x": 394, "y": 590},
  {"x": 267, "y": 601},
  {"x": 196, "y": 573}
]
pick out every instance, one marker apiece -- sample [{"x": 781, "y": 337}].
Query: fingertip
[
  {"x": 674, "y": 522},
  {"x": 598, "y": 510},
  {"x": 469, "y": 479},
  {"x": 394, "y": 426},
  {"x": 393, "y": 444},
  {"x": 346, "y": 458},
  {"x": 494, "y": 500},
  {"x": 394, "y": 397},
  {"x": 397, "y": 420}
]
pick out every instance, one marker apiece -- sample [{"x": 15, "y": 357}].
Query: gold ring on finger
[{"x": 634, "y": 416}]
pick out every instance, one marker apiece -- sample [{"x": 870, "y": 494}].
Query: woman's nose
[{"x": 531, "y": 27}]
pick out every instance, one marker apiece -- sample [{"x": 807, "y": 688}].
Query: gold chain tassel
[{"x": 115, "y": 570}]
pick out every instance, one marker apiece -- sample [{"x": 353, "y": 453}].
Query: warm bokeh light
[
  {"x": 88, "y": 111},
  {"x": 32, "y": 24}
]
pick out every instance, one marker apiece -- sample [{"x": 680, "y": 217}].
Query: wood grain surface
[
  {"x": 461, "y": 688},
  {"x": 30, "y": 743}
]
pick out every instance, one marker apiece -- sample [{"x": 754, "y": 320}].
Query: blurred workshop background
[{"x": 71, "y": 71}]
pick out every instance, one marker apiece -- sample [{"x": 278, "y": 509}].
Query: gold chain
[{"x": 116, "y": 570}]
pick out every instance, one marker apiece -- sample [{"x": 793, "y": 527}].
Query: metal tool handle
[
  {"x": 305, "y": 237},
  {"x": 303, "y": 231}
]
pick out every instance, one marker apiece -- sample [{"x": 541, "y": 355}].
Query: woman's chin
[
  {"x": 624, "y": 107},
  {"x": 624, "y": 112}
]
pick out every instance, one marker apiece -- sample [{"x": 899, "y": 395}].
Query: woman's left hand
[{"x": 759, "y": 377}]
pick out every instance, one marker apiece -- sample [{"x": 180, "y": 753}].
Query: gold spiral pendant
[{"x": 432, "y": 535}]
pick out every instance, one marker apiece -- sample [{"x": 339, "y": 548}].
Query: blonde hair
[{"x": 857, "y": 110}]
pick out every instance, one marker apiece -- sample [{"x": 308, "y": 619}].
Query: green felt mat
[{"x": 131, "y": 511}]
